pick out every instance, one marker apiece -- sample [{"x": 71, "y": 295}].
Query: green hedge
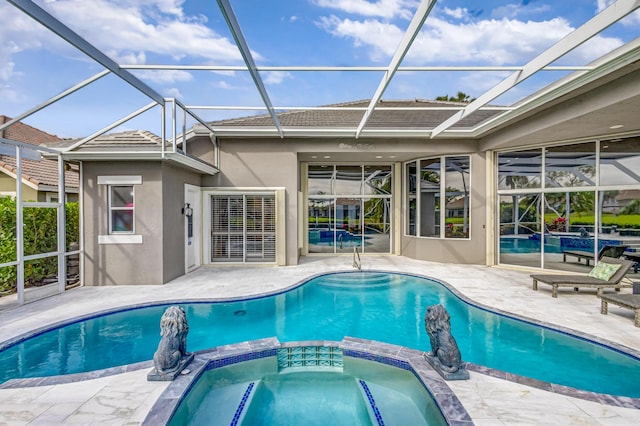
[{"x": 40, "y": 236}]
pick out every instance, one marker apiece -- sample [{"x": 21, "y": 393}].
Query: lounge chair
[
  {"x": 577, "y": 281},
  {"x": 607, "y": 250},
  {"x": 628, "y": 301}
]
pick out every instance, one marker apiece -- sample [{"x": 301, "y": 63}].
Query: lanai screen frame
[{"x": 591, "y": 28}]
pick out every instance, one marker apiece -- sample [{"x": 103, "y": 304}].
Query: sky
[{"x": 36, "y": 65}]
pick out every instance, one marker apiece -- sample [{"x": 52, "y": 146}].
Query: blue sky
[{"x": 36, "y": 65}]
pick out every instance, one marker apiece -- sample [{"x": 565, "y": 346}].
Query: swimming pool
[{"x": 377, "y": 306}]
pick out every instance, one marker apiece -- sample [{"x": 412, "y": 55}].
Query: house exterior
[
  {"x": 246, "y": 194},
  {"x": 39, "y": 175}
]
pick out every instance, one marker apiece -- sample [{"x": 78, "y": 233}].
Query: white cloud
[
  {"x": 173, "y": 92},
  {"x": 163, "y": 76},
  {"x": 276, "y": 77},
  {"x": 381, "y": 8},
  {"x": 293, "y": 18},
  {"x": 18, "y": 33},
  {"x": 632, "y": 19},
  {"x": 480, "y": 42},
  {"x": 126, "y": 26},
  {"x": 128, "y": 30},
  {"x": 382, "y": 37}
]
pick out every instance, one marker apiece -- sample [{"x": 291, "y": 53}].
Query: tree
[{"x": 461, "y": 97}]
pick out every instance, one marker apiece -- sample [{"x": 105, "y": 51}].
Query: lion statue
[
  {"x": 173, "y": 342},
  {"x": 444, "y": 349}
]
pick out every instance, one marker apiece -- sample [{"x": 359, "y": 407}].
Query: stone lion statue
[
  {"x": 173, "y": 342},
  {"x": 444, "y": 349}
]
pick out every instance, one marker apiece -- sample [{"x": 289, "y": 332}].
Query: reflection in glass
[
  {"x": 321, "y": 226},
  {"x": 520, "y": 225},
  {"x": 320, "y": 179},
  {"x": 348, "y": 180},
  {"x": 377, "y": 180},
  {"x": 377, "y": 225},
  {"x": 570, "y": 165},
  {"x": 457, "y": 172},
  {"x": 520, "y": 169},
  {"x": 620, "y": 216},
  {"x": 348, "y": 225},
  {"x": 620, "y": 162},
  {"x": 430, "y": 197},
  {"x": 410, "y": 187}
]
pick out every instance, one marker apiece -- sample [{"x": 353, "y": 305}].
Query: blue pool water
[
  {"x": 304, "y": 396},
  {"x": 376, "y": 306}
]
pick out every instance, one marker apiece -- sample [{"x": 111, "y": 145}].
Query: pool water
[
  {"x": 303, "y": 396},
  {"x": 377, "y": 306}
]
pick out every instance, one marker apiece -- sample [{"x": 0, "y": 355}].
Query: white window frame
[
  {"x": 119, "y": 237},
  {"x": 278, "y": 193}
]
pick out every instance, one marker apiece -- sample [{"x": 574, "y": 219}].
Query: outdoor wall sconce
[{"x": 188, "y": 212}]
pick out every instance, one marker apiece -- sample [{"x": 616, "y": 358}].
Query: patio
[{"x": 127, "y": 397}]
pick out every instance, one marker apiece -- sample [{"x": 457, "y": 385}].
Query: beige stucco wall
[
  {"x": 276, "y": 163},
  {"x": 158, "y": 220},
  {"x": 262, "y": 164}
]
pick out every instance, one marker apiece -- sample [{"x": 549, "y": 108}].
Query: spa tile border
[{"x": 411, "y": 360}]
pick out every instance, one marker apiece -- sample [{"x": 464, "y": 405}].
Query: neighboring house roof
[
  {"x": 40, "y": 174},
  {"x": 628, "y": 194},
  {"x": 407, "y": 114},
  {"x": 22, "y": 132}
]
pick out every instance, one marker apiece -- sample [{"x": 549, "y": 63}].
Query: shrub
[{"x": 40, "y": 236}]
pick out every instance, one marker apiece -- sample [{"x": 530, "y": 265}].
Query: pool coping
[
  {"x": 613, "y": 400},
  {"x": 407, "y": 359}
]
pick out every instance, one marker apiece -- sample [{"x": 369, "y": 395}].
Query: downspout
[{"x": 216, "y": 150}]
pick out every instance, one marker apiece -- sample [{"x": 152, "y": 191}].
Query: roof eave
[{"x": 178, "y": 158}]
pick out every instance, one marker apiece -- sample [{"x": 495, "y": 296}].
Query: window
[
  {"x": 243, "y": 227},
  {"x": 582, "y": 196},
  {"x": 121, "y": 209},
  {"x": 437, "y": 202},
  {"x": 349, "y": 206}
]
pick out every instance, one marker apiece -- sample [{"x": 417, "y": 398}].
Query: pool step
[
  {"x": 390, "y": 407},
  {"x": 358, "y": 279}
]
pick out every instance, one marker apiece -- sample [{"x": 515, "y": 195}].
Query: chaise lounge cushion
[{"x": 603, "y": 271}]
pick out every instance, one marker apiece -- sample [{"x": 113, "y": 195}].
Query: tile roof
[
  {"x": 38, "y": 172},
  {"x": 131, "y": 140},
  {"x": 42, "y": 172},
  {"x": 411, "y": 116},
  {"x": 22, "y": 132}
]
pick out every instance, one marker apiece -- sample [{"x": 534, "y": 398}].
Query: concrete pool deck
[{"x": 126, "y": 398}]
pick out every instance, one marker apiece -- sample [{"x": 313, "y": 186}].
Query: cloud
[
  {"x": 18, "y": 33},
  {"x": 473, "y": 41},
  {"x": 163, "y": 76},
  {"x": 632, "y": 19},
  {"x": 275, "y": 77},
  {"x": 382, "y": 37},
  {"x": 382, "y": 8},
  {"x": 129, "y": 31},
  {"x": 129, "y": 25},
  {"x": 173, "y": 92}
]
